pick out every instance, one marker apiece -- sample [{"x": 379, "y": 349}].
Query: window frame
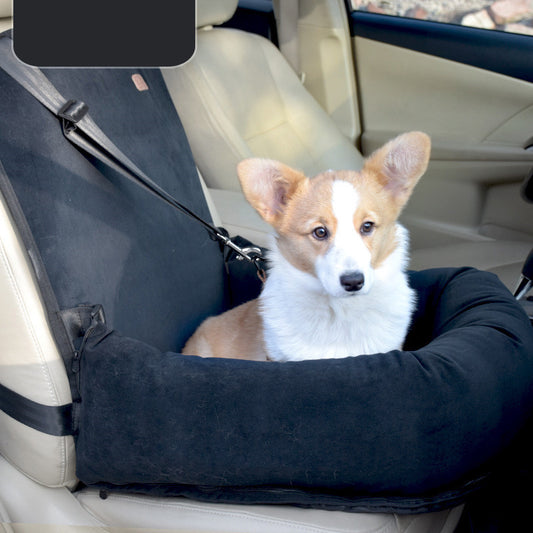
[{"x": 498, "y": 51}]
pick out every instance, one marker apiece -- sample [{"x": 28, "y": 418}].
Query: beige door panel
[
  {"x": 480, "y": 123},
  {"x": 451, "y": 204},
  {"x": 407, "y": 89},
  {"x": 513, "y": 131},
  {"x": 450, "y": 149}
]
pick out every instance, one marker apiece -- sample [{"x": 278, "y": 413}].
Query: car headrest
[
  {"x": 209, "y": 12},
  {"x": 6, "y": 15}
]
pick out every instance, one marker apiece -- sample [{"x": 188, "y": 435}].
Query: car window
[{"x": 515, "y": 16}]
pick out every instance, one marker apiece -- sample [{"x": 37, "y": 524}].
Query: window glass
[{"x": 514, "y": 16}]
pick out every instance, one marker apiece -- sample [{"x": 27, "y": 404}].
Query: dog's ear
[
  {"x": 400, "y": 164},
  {"x": 268, "y": 185}
]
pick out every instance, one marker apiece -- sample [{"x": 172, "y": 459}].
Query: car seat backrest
[
  {"x": 238, "y": 97},
  {"x": 102, "y": 240}
]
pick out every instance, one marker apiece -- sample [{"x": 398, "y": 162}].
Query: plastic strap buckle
[{"x": 71, "y": 113}]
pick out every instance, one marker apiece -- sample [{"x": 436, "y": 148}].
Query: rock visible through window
[{"x": 514, "y": 16}]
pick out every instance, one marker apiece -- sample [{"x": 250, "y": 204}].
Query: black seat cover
[{"x": 103, "y": 239}]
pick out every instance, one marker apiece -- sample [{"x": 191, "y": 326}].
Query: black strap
[
  {"x": 51, "y": 419},
  {"x": 82, "y": 131}
]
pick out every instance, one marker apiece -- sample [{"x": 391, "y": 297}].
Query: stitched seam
[
  {"x": 268, "y": 130},
  {"x": 29, "y": 327},
  {"x": 91, "y": 513},
  {"x": 212, "y": 117},
  {"x": 508, "y": 119},
  {"x": 27, "y": 322},
  {"x": 286, "y": 110},
  {"x": 243, "y": 515},
  {"x": 214, "y": 123}
]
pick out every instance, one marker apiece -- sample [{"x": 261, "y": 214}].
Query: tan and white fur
[{"x": 337, "y": 285}]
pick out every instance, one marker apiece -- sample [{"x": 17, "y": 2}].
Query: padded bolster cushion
[{"x": 407, "y": 430}]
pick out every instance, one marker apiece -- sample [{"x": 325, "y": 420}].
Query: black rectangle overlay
[{"x": 104, "y": 33}]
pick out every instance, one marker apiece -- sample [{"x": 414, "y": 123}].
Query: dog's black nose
[{"x": 352, "y": 281}]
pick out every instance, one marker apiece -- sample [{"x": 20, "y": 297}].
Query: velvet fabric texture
[
  {"x": 407, "y": 431},
  {"x": 103, "y": 239}
]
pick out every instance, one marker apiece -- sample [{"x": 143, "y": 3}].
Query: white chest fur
[{"x": 302, "y": 322}]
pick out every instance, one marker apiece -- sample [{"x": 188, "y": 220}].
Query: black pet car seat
[{"x": 406, "y": 431}]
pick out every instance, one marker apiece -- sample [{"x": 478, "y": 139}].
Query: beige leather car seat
[{"x": 238, "y": 97}]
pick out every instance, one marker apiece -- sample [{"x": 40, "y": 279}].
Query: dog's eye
[
  {"x": 367, "y": 227},
  {"x": 320, "y": 233}
]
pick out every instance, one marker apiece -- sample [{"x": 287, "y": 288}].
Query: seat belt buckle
[{"x": 71, "y": 113}]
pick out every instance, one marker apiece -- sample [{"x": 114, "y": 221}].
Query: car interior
[
  {"x": 477, "y": 166},
  {"x": 317, "y": 90}
]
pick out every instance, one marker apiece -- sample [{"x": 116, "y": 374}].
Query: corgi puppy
[{"x": 337, "y": 285}]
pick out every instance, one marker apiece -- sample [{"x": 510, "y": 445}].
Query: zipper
[{"x": 97, "y": 319}]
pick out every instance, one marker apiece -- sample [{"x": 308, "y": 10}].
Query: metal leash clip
[{"x": 252, "y": 254}]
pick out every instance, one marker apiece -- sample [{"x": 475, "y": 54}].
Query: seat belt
[
  {"x": 53, "y": 420},
  {"x": 81, "y": 130}
]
